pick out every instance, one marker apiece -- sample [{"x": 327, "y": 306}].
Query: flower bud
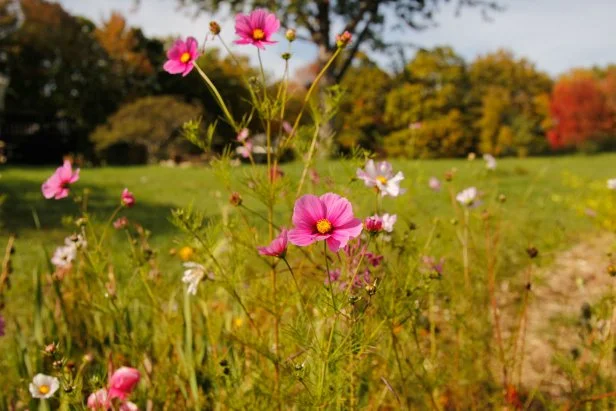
[
  {"x": 290, "y": 35},
  {"x": 373, "y": 224},
  {"x": 532, "y": 252},
  {"x": 611, "y": 270},
  {"x": 343, "y": 39},
  {"x": 502, "y": 198},
  {"x": 286, "y": 56},
  {"x": 235, "y": 199},
  {"x": 214, "y": 28}
]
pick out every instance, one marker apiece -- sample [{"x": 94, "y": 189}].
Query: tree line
[{"x": 79, "y": 88}]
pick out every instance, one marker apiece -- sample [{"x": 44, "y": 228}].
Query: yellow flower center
[
  {"x": 381, "y": 180},
  {"x": 324, "y": 226},
  {"x": 44, "y": 389},
  {"x": 258, "y": 34},
  {"x": 185, "y": 58}
]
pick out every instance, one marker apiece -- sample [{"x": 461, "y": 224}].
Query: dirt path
[{"x": 558, "y": 293}]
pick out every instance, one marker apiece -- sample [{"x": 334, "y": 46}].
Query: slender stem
[
  {"x": 188, "y": 348},
  {"x": 301, "y": 299},
  {"x": 262, "y": 76},
  {"x": 467, "y": 280},
  {"x": 109, "y": 222},
  {"x": 309, "y": 93},
  {"x": 311, "y": 151},
  {"x": 239, "y": 65},
  {"x": 329, "y": 279},
  {"x": 218, "y": 97}
]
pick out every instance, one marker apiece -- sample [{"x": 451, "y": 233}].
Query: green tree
[
  {"x": 151, "y": 123},
  {"x": 430, "y": 102},
  {"x": 507, "y": 98},
  {"x": 360, "y": 117}
]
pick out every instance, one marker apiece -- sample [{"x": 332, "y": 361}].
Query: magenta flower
[
  {"x": 256, "y": 28},
  {"x": 123, "y": 382},
  {"x": 373, "y": 224},
  {"x": 56, "y": 186},
  {"x": 278, "y": 246},
  {"x": 181, "y": 57},
  {"x": 434, "y": 184},
  {"x": 245, "y": 150},
  {"x": 128, "y": 198},
  {"x": 329, "y": 217},
  {"x": 242, "y": 135}
]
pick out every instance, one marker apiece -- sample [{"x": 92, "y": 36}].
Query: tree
[
  {"x": 580, "y": 111},
  {"x": 507, "y": 97},
  {"x": 150, "y": 123},
  {"x": 427, "y": 106},
  {"x": 360, "y": 117}
]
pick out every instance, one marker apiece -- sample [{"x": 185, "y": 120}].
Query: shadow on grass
[{"x": 24, "y": 204}]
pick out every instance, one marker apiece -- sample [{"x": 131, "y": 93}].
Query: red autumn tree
[{"x": 580, "y": 111}]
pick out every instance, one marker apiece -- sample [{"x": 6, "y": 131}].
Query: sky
[{"x": 555, "y": 34}]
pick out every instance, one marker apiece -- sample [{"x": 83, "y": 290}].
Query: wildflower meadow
[{"x": 257, "y": 283}]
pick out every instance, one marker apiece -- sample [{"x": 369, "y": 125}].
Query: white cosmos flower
[
  {"x": 467, "y": 197},
  {"x": 490, "y": 161},
  {"x": 193, "y": 276},
  {"x": 611, "y": 184},
  {"x": 43, "y": 386},
  {"x": 381, "y": 176},
  {"x": 388, "y": 221},
  {"x": 64, "y": 256},
  {"x": 76, "y": 240}
]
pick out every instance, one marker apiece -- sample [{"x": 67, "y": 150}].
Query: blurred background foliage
[{"x": 99, "y": 93}]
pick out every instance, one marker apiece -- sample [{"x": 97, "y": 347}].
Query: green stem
[
  {"x": 109, "y": 222},
  {"x": 218, "y": 98},
  {"x": 309, "y": 93},
  {"x": 329, "y": 280},
  {"x": 311, "y": 151},
  {"x": 188, "y": 348},
  {"x": 301, "y": 299}
]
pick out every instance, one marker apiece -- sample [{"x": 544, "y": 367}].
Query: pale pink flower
[
  {"x": 468, "y": 197},
  {"x": 329, "y": 217},
  {"x": 123, "y": 382},
  {"x": 611, "y": 184},
  {"x": 128, "y": 198},
  {"x": 373, "y": 224},
  {"x": 64, "y": 256},
  {"x": 278, "y": 246},
  {"x": 490, "y": 161},
  {"x": 432, "y": 266},
  {"x": 56, "y": 186},
  {"x": 381, "y": 176},
  {"x": 256, "y": 28},
  {"x": 388, "y": 221},
  {"x": 99, "y": 400},
  {"x": 245, "y": 150},
  {"x": 415, "y": 126},
  {"x": 242, "y": 135},
  {"x": 128, "y": 406},
  {"x": 181, "y": 57},
  {"x": 120, "y": 223},
  {"x": 434, "y": 184}
]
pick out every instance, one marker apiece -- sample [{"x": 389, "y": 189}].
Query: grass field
[{"x": 549, "y": 205}]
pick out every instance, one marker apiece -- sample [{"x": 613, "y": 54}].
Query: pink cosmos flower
[
  {"x": 256, "y": 28},
  {"x": 434, "y": 184},
  {"x": 278, "y": 246},
  {"x": 128, "y": 198},
  {"x": 128, "y": 406},
  {"x": 56, "y": 186},
  {"x": 122, "y": 382},
  {"x": 381, "y": 176},
  {"x": 99, "y": 400},
  {"x": 373, "y": 224},
  {"x": 242, "y": 135},
  {"x": 329, "y": 217},
  {"x": 120, "y": 223},
  {"x": 181, "y": 57}
]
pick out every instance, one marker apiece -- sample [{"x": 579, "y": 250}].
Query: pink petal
[
  {"x": 174, "y": 67},
  {"x": 301, "y": 236},
  {"x": 272, "y": 24},
  {"x": 74, "y": 177},
  {"x": 192, "y": 46},
  {"x": 257, "y": 19},
  {"x": 188, "y": 69},
  {"x": 347, "y": 231},
  {"x": 307, "y": 211},
  {"x": 62, "y": 193},
  {"x": 335, "y": 245},
  {"x": 66, "y": 171},
  {"x": 243, "y": 41},
  {"x": 50, "y": 187},
  {"x": 338, "y": 209}
]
